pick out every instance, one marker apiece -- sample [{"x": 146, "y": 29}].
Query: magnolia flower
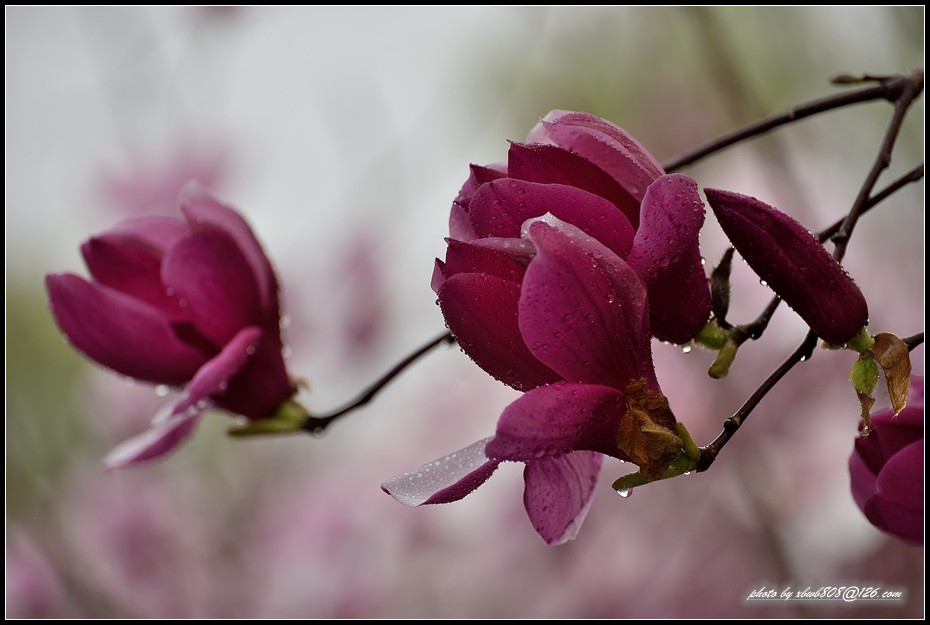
[
  {"x": 189, "y": 303},
  {"x": 886, "y": 469},
  {"x": 583, "y": 314},
  {"x": 794, "y": 264}
]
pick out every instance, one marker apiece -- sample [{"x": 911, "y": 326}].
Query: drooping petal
[
  {"x": 445, "y": 480},
  {"x": 535, "y": 162},
  {"x": 499, "y": 208},
  {"x": 667, "y": 255},
  {"x": 481, "y": 312},
  {"x": 606, "y": 145},
  {"x": 558, "y": 419},
  {"x": 262, "y": 385},
  {"x": 794, "y": 264},
  {"x": 211, "y": 278},
  {"x": 204, "y": 212},
  {"x": 473, "y": 258},
  {"x": 120, "y": 332},
  {"x": 898, "y": 504},
  {"x": 583, "y": 310},
  {"x": 133, "y": 267},
  {"x": 213, "y": 377},
  {"x": 155, "y": 442},
  {"x": 558, "y": 494}
]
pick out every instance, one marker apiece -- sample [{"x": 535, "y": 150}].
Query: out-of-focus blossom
[
  {"x": 794, "y": 264},
  {"x": 578, "y": 338},
  {"x": 187, "y": 303},
  {"x": 33, "y": 588},
  {"x": 143, "y": 185},
  {"x": 887, "y": 469}
]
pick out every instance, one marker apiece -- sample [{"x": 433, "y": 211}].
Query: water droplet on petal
[
  {"x": 686, "y": 348},
  {"x": 161, "y": 390}
]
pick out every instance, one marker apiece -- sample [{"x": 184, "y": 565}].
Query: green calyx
[{"x": 287, "y": 419}]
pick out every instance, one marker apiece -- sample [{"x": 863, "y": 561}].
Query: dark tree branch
[{"x": 913, "y": 342}]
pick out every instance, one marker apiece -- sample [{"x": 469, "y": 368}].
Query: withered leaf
[
  {"x": 866, "y": 401},
  {"x": 893, "y": 357},
  {"x": 645, "y": 433}
]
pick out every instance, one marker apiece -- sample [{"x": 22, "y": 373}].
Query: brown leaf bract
[
  {"x": 893, "y": 357},
  {"x": 646, "y": 433},
  {"x": 866, "y": 402}
]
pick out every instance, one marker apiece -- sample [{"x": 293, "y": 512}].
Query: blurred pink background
[{"x": 343, "y": 135}]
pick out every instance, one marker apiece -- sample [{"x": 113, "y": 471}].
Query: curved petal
[
  {"x": 499, "y": 209},
  {"x": 861, "y": 479},
  {"x": 558, "y": 419},
  {"x": 213, "y": 377},
  {"x": 666, "y": 253},
  {"x": 471, "y": 258},
  {"x": 868, "y": 452},
  {"x": 583, "y": 310},
  {"x": 606, "y": 145},
  {"x": 535, "y": 162},
  {"x": 120, "y": 332},
  {"x": 478, "y": 175},
  {"x": 212, "y": 280},
  {"x": 262, "y": 384},
  {"x": 133, "y": 267},
  {"x": 445, "y": 480},
  {"x": 460, "y": 224},
  {"x": 558, "y": 494},
  {"x": 158, "y": 233},
  {"x": 898, "y": 504},
  {"x": 481, "y": 312},
  {"x": 204, "y": 212},
  {"x": 155, "y": 442},
  {"x": 794, "y": 264}
]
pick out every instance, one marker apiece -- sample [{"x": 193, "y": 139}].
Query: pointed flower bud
[{"x": 794, "y": 264}]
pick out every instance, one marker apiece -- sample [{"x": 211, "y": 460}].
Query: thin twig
[
  {"x": 914, "y": 341},
  {"x": 883, "y": 90},
  {"x": 316, "y": 424}
]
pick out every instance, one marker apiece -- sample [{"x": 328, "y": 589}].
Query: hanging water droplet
[
  {"x": 169, "y": 291},
  {"x": 285, "y": 322},
  {"x": 763, "y": 283},
  {"x": 286, "y": 351},
  {"x": 687, "y": 473},
  {"x": 161, "y": 390},
  {"x": 250, "y": 350},
  {"x": 624, "y": 492},
  {"x": 686, "y": 348}
]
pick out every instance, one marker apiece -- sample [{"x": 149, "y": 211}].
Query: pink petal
[
  {"x": 478, "y": 175},
  {"x": 666, "y": 253},
  {"x": 898, "y": 504},
  {"x": 861, "y": 479},
  {"x": 120, "y": 332},
  {"x": 460, "y": 226},
  {"x": 549, "y": 164},
  {"x": 205, "y": 212},
  {"x": 481, "y": 312},
  {"x": 445, "y": 480},
  {"x": 794, "y": 264},
  {"x": 558, "y": 419},
  {"x": 499, "y": 209},
  {"x": 262, "y": 384},
  {"x": 155, "y": 442},
  {"x": 213, "y": 377},
  {"x": 559, "y": 492},
  {"x": 472, "y": 258},
  {"x": 583, "y": 310},
  {"x": 439, "y": 276},
  {"x": 606, "y": 145},
  {"x": 158, "y": 233},
  {"x": 212, "y": 280},
  {"x": 133, "y": 267}
]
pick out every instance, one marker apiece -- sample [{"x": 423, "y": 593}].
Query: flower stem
[
  {"x": 914, "y": 341},
  {"x": 316, "y": 424}
]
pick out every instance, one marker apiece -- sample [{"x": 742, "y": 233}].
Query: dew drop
[
  {"x": 687, "y": 473},
  {"x": 250, "y": 350},
  {"x": 624, "y": 492},
  {"x": 169, "y": 291},
  {"x": 161, "y": 390},
  {"x": 763, "y": 283},
  {"x": 686, "y": 348},
  {"x": 182, "y": 303},
  {"x": 286, "y": 321},
  {"x": 223, "y": 385},
  {"x": 286, "y": 351}
]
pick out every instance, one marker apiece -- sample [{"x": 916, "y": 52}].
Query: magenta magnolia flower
[
  {"x": 578, "y": 332},
  {"x": 187, "y": 303},
  {"x": 794, "y": 264},
  {"x": 886, "y": 469}
]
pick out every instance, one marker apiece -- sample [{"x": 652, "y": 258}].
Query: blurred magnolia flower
[
  {"x": 145, "y": 185},
  {"x": 794, "y": 264},
  {"x": 553, "y": 266},
  {"x": 886, "y": 469},
  {"x": 187, "y": 303}
]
